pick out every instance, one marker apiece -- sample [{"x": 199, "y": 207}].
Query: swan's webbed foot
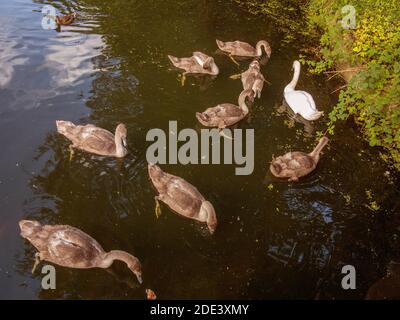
[
  {"x": 222, "y": 133},
  {"x": 183, "y": 79},
  {"x": 234, "y": 61},
  {"x": 71, "y": 152},
  {"x": 158, "y": 207},
  {"x": 235, "y": 76},
  {"x": 37, "y": 261},
  {"x": 267, "y": 82}
]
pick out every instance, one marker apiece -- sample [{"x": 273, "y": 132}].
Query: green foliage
[
  {"x": 317, "y": 67},
  {"x": 286, "y": 15},
  {"x": 372, "y": 96}
]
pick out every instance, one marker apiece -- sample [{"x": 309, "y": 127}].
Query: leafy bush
[{"x": 372, "y": 96}]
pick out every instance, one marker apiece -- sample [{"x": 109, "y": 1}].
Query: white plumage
[{"x": 301, "y": 102}]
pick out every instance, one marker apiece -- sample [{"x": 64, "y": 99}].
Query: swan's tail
[
  {"x": 276, "y": 168},
  {"x": 220, "y": 44},
  {"x": 174, "y": 60},
  {"x": 203, "y": 118},
  {"x": 315, "y": 116},
  {"x": 64, "y": 127},
  {"x": 29, "y": 227}
]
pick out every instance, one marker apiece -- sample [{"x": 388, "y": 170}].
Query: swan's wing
[
  {"x": 301, "y": 102},
  {"x": 223, "y": 111},
  {"x": 68, "y": 246},
  {"x": 169, "y": 184},
  {"x": 202, "y": 56},
  {"x": 90, "y": 131},
  {"x": 252, "y": 79},
  {"x": 92, "y": 138},
  {"x": 228, "y": 110},
  {"x": 192, "y": 64},
  {"x": 178, "y": 185},
  {"x": 97, "y": 145},
  {"x": 243, "y": 47},
  {"x": 248, "y": 79},
  {"x": 301, "y": 160},
  {"x": 186, "y": 63},
  {"x": 294, "y": 162},
  {"x": 238, "y": 48},
  {"x": 183, "y": 197},
  {"x": 310, "y": 99}
]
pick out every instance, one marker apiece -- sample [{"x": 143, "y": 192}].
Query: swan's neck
[
  {"x": 119, "y": 255},
  {"x": 120, "y": 150},
  {"x": 292, "y": 85},
  {"x": 322, "y": 143},
  {"x": 263, "y": 44},
  {"x": 242, "y": 103}
]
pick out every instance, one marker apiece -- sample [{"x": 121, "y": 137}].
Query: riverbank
[{"x": 364, "y": 50}]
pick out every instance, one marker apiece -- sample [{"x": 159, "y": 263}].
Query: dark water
[{"x": 110, "y": 66}]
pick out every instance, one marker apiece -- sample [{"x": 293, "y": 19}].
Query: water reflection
[
  {"x": 387, "y": 288},
  {"x": 293, "y": 118},
  {"x": 10, "y": 51},
  {"x": 284, "y": 241}
]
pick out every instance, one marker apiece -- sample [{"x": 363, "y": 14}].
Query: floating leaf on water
[
  {"x": 373, "y": 206},
  {"x": 289, "y": 123},
  {"x": 347, "y": 197},
  {"x": 157, "y": 209}
]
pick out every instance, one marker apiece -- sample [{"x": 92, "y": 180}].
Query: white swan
[{"x": 301, "y": 102}]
